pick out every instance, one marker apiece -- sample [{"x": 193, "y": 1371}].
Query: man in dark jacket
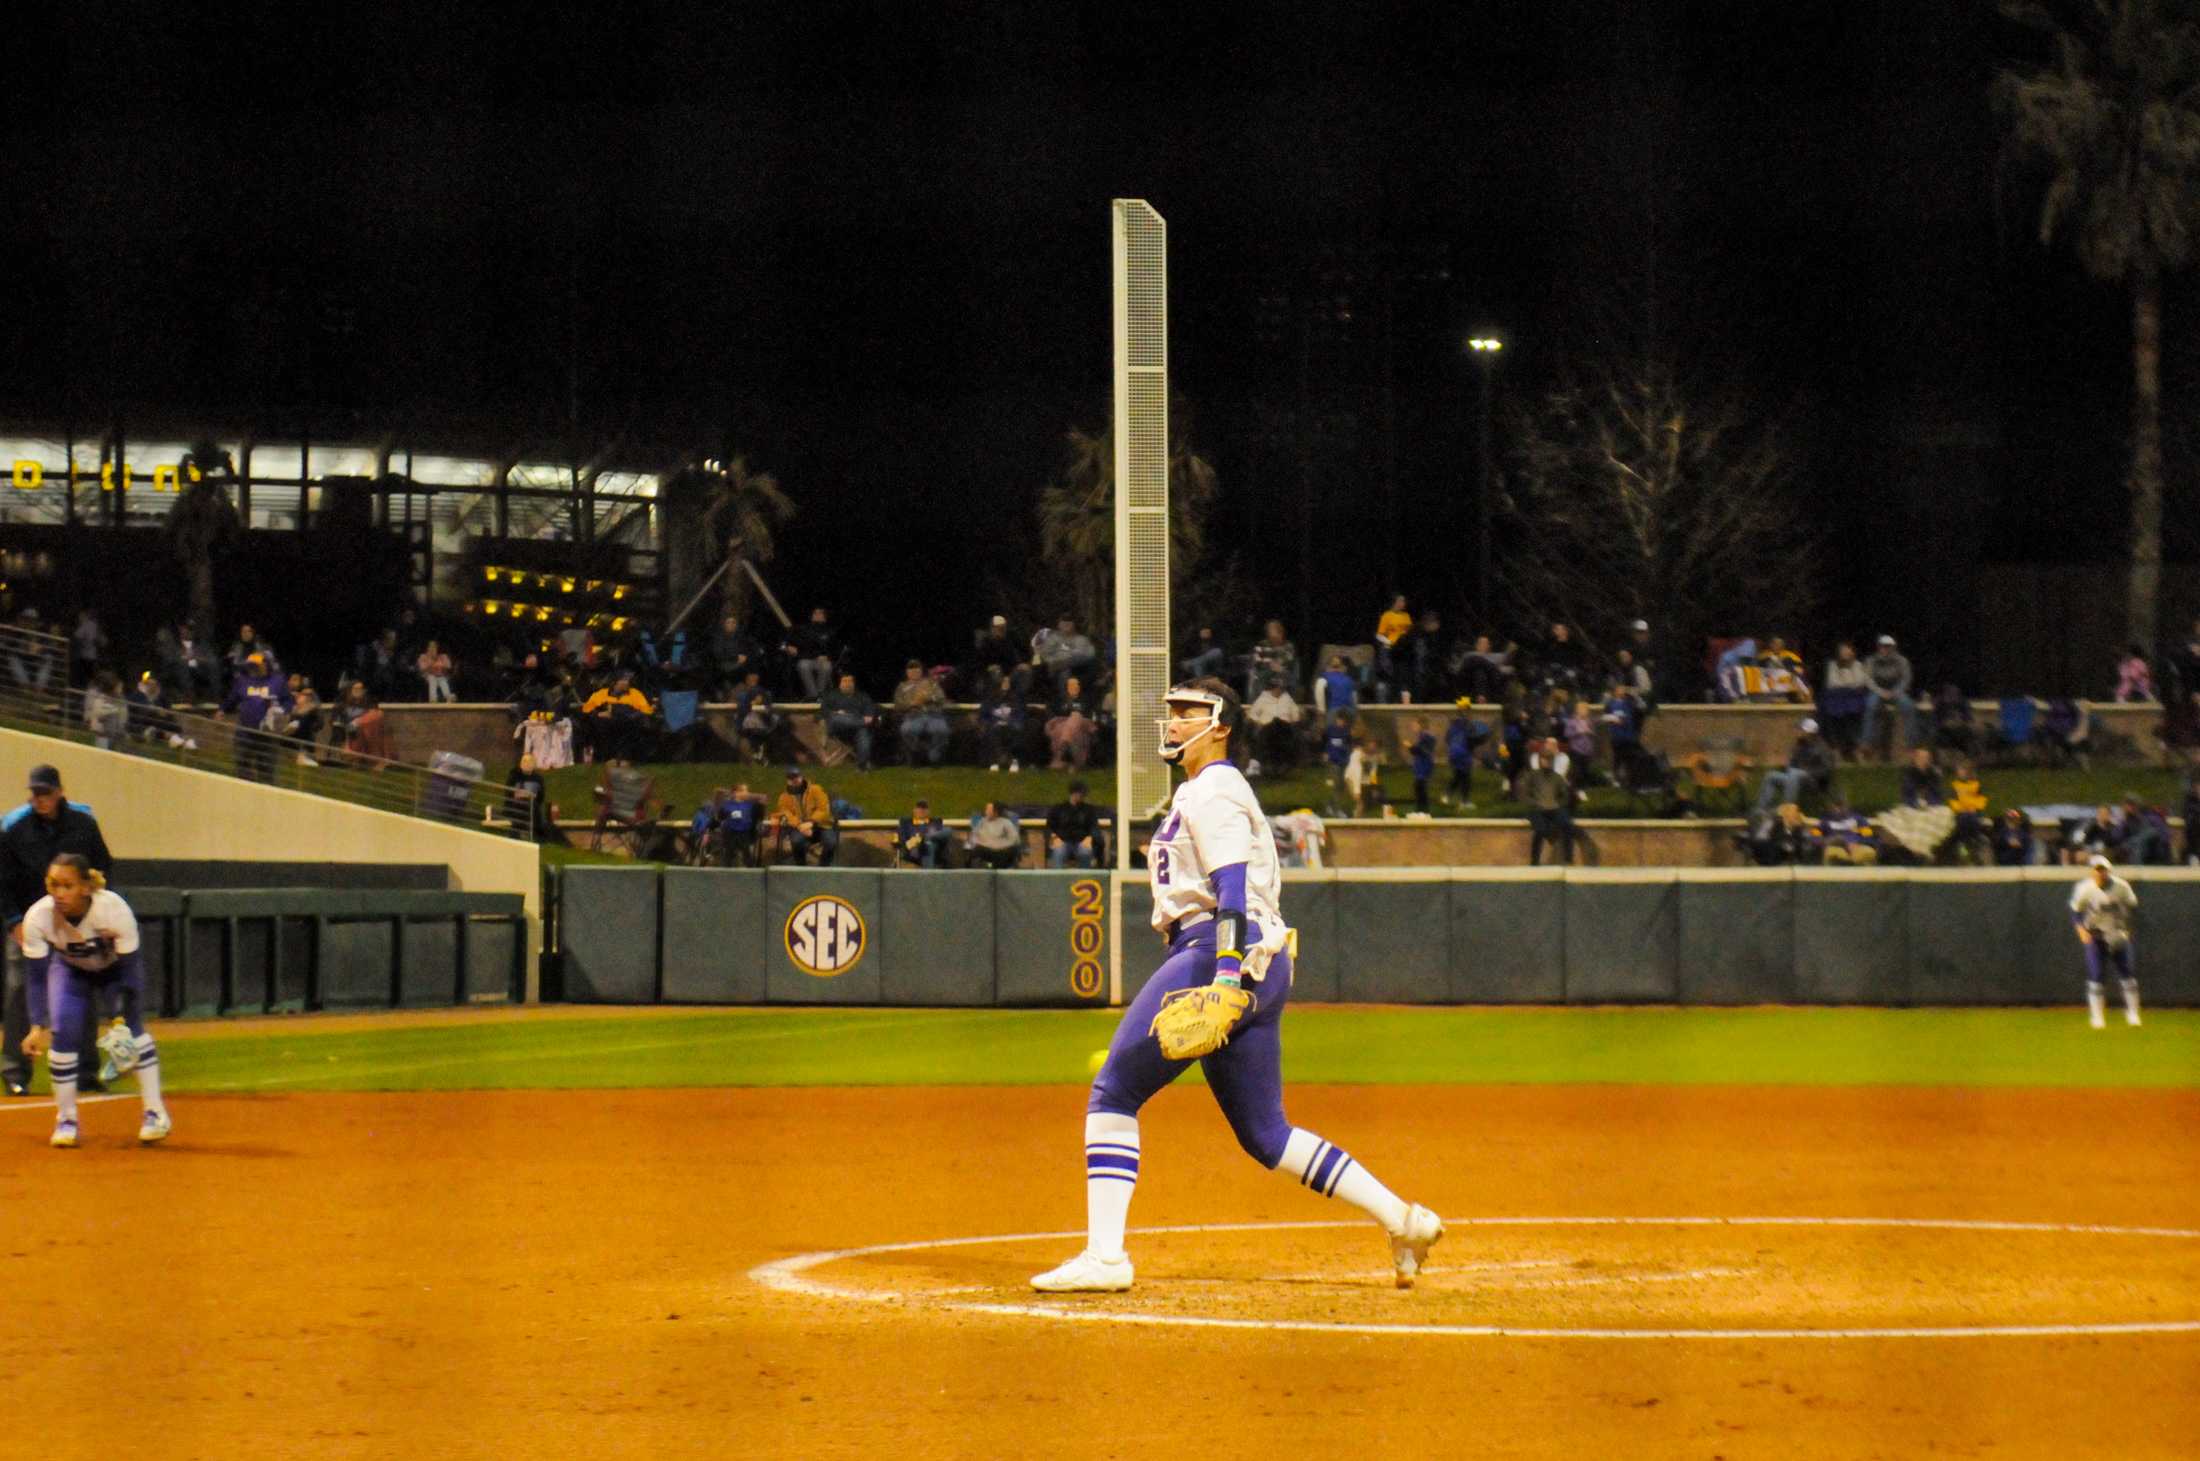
[
  {"x": 1073, "y": 830},
  {"x": 31, "y": 836}
]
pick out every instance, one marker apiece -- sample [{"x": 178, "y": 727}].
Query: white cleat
[
  {"x": 2097, "y": 1022},
  {"x": 155, "y": 1127},
  {"x": 64, "y": 1133},
  {"x": 1409, "y": 1249},
  {"x": 1087, "y": 1273},
  {"x": 2131, "y": 1017}
]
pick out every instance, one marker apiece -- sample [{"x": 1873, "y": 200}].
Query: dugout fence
[{"x": 1403, "y": 936}]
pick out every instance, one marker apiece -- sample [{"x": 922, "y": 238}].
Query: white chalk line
[
  {"x": 1436, "y": 1278},
  {"x": 785, "y": 1275},
  {"x": 46, "y": 1103}
]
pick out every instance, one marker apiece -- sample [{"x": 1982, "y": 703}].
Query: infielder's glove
[
  {"x": 1196, "y": 1022},
  {"x": 119, "y": 1046}
]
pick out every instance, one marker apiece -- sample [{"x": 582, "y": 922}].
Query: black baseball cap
[{"x": 45, "y": 778}]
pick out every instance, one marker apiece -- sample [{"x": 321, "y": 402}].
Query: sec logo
[{"x": 825, "y": 936}]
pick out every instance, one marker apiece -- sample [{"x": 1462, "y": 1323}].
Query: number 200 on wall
[{"x": 1087, "y": 937}]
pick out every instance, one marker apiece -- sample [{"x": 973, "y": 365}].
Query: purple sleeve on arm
[
  {"x": 41, "y": 987},
  {"x": 1230, "y": 889}
]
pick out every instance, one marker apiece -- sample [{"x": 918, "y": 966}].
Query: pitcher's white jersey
[
  {"x": 108, "y": 931},
  {"x": 1214, "y": 820},
  {"x": 2105, "y": 912}
]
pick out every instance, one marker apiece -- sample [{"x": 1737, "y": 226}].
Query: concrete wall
[{"x": 149, "y": 809}]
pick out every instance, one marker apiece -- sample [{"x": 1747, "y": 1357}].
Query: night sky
[{"x": 867, "y": 245}]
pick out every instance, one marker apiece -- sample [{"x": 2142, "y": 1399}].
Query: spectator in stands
[
  {"x": 1363, "y": 779},
  {"x": 617, "y": 720},
  {"x": 1337, "y": 689},
  {"x": 380, "y": 665},
  {"x": 920, "y": 714},
  {"x": 248, "y": 643},
  {"x": 2134, "y": 679},
  {"x": 434, "y": 667},
  {"x": 813, "y": 648},
  {"x": 1633, "y": 765},
  {"x": 740, "y": 821},
  {"x": 30, "y": 664},
  {"x": 733, "y": 653},
  {"x": 2146, "y": 832},
  {"x": 191, "y": 670},
  {"x": 803, "y": 821},
  {"x": 626, "y": 798},
  {"x": 1580, "y": 728},
  {"x": 1073, "y": 831},
  {"x": 1783, "y": 672},
  {"x": 1071, "y": 727},
  {"x": 1274, "y": 658},
  {"x": 87, "y": 647},
  {"x": 1887, "y": 675},
  {"x": 1428, "y": 659},
  {"x": 2013, "y": 842},
  {"x": 1565, "y": 660},
  {"x": 1001, "y": 723},
  {"x": 1550, "y": 798},
  {"x": 527, "y": 804},
  {"x": 1844, "y": 834},
  {"x": 30, "y": 839},
  {"x": 1921, "y": 783},
  {"x": 1421, "y": 758},
  {"x": 1954, "y": 728},
  {"x": 996, "y": 651},
  {"x": 1206, "y": 657},
  {"x": 1337, "y": 748},
  {"x": 1063, "y": 651},
  {"x": 1782, "y": 838},
  {"x": 1274, "y": 717},
  {"x": 1644, "y": 648},
  {"x": 995, "y": 840},
  {"x": 106, "y": 714},
  {"x": 756, "y": 719},
  {"x": 851, "y": 716},
  {"x": 1627, "y": 672},
  {"x": 150, "y": 717},
  {"x": 921, "y": 839},
  {"x": 1967, "y": 799},
  {"x": 1485, "y": 670},
  {"x": 1391, "y": 630},
  {"x": 1809, "y": 768},
  {"x": 257, "y": 695},
  {"x": 308, "y": 718},
  {"x": 2103, "y": 836},
  {"x": 1462, "y": 736},
  {"x": 1843, "y": 698}
]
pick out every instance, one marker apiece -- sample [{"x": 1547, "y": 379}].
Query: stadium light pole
[{"x": 1485, "y": 348}]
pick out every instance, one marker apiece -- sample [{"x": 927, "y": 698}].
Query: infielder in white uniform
[
  {"x": 2101, "y": 907},
  {"x": 1216, "y": 899}
]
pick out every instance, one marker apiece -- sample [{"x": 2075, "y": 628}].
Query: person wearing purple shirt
[{"x": 255, "y": 692}]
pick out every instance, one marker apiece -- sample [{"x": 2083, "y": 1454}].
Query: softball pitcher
[
  {"x": 2101, "y": 907},
  {"x": 80, "y": 943},
  {"x": 1217, "y": 998}
]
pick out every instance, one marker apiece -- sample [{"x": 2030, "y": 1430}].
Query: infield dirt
[{"x": 554, "y": 1274}]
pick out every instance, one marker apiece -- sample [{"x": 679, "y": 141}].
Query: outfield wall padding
[
  {"x": 1508, "y": 939},
  {"x": 828, "y": 954},
  {"x": 1580, "y": 936},
  {"x": 1050, "y": 938},
  {"x": 1622, "y": 937},
  {"x": 936, "y": 938},
  {"x": 717, "y": 938},
  {"x": 607, "y": 933}
]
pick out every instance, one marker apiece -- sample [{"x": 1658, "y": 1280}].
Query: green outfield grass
[{"x": 810, "y": 1047}]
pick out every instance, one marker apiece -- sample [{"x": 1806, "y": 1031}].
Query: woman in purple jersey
[
  {"x": 80, "y": 945},
  {"x": 1217, "y": 894}
]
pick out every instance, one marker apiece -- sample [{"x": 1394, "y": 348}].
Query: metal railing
[{"x": 35, "y": 696}]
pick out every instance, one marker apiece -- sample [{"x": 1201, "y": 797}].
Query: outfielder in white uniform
[
  {"x": 1217, "y": 899},
  {"x": 2101, "y": 908}
]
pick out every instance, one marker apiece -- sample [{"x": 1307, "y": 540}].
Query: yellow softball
[{"x": 1094, "y": 1061}]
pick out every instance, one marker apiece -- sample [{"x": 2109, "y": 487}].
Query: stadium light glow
[{"x": 1485, "y": 343}]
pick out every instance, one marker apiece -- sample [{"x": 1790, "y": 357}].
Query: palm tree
[
  {"x": 741, "y": 518},
  {"x": 2116, "y": 120},
  {"x": 201, "y": 524},
  {"x": 1077, "y": 515}
]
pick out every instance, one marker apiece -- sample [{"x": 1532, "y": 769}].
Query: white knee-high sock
[
  {"x": 2096, "y": 1000},
  {"x": 148, "y": 1073},
  {"x": 1111, "y": 1175},
  {"x": 62, "y": 1067},
  {"x": 1326, "y": 1169},
  {"x": 2131, "y": 1000}
]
